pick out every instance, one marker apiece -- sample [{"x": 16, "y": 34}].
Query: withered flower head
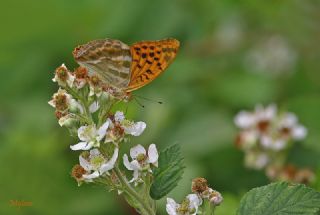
[
  {"x": 199, "y": 185},
  {"x": 81, "y": 72},
  {"x": 77, "y": 172}
]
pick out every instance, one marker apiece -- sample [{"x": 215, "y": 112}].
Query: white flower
[
  {"x": 141, "y": 160},
  {"x": 259, "y": 119},
  {"x": 96, "y": 164},
  {"x": 289, "y": 127},
  {"x": 119, "y": 126},
  {"x": 61, "y": 100},
  {"x": 63, "y": 76},
  {"x": 90, "y": 136},
  {"x": 189, "y": 206},
  {"x": 135, "y": 129}
]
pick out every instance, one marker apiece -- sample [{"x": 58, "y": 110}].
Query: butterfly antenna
[
  {"x": 138, "y": 102},
  {"x": 147, "y": 99}
]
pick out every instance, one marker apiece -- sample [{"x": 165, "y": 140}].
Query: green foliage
[
  {"x": 170, "y": 171},
  {"x": 280, "y": 198}
]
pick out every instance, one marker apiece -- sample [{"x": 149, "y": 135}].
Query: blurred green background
[{"x": 234, "y": 54}]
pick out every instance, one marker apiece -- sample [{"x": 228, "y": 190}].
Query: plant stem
[
  {"x": 208, "y": 208},
  {"x": 144, "y": 208}
]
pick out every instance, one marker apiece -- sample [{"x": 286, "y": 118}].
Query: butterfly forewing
[
  {"x": 149, "y": 60},
  {"x": 107, "y": 58}
]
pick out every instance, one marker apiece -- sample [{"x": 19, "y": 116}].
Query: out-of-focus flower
[
  {"x": 290, "y": 173},
  {"x": 93, "y": 164},
  {"x": 273, "y": 56},
  {"x": 256, "y": 159},
  {"x": 141, "y": 160},
  {"x": 119, "y": 126},
  {"x": 63, "y": 76},
  {"x": 189, "y": 205},
  {"x": 90, "y": 136},
  {"x": 266, "y": 134}
]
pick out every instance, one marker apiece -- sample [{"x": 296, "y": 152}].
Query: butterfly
[{"x": 126, "y": 67}]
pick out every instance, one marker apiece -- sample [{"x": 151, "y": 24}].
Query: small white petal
[
  {"x": 126, "y": 162},
  {"x": 52, "y": 103},
  {"x": 102, "y": 131},
  {"x": 110, "y": 164},
  {"x": 135, "y": 165},
  {"x": 93, "y": 175},
  {"x": 81, "y": 132},
  {"x": 135, "y": 151},
  {"x": 195, "y": 200},
  {"x": 94, "y": 152},
  {"x": 153, "y": 153},
  {"x": 171, "y": 207},
  {"x": 136, "y": 129},
  {"x": 299, "y": 132},
  {"x": 244, "y": 119},
  {"x": 81, "y": 146},
  {"x": 85, "y": 164},
  {"x": 279, "y": 145},
  {"x": 94, "y": 107},
  {"x": 119, "y": 116}
]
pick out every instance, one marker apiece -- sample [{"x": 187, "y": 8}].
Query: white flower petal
[
  {"x": 171, "y": 207},
  {"x": 102, "y": 131},
  {"x": 94, "y": 153},
  {"x": 52, "y": 103},
  {"x": 126, "y": 162},
  {"x": 299, "y": 132},
  {"x": 119, "y": 116},
  {"x": 244, "y": 119},
  {"x": 93, "y": 175},
  {"x": 136, "y": 129},
  {"x": 94, "y": 107},
  {"x": 153, "y": 154},
  {"x": 135, "y": 151},
  {"x": 85, "y": 164},
  {"x": 135, "y": 165},
  {"x": 81, "y": 133},
  {"x": 195, "y": 200},
  {"x": 81, "y": 146},
  {"x": 110, "y": 164}
]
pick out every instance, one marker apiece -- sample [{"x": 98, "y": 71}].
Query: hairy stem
[{"x": 144, "y": 206}]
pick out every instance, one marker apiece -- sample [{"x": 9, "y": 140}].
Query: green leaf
[
  {"x": 280, "y": 198},
  {"x": 170, "y": 171}
]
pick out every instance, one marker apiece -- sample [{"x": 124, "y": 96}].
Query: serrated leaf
[
  {"x": 169, "y": 173},
  {"x": 280, "y": 198}
]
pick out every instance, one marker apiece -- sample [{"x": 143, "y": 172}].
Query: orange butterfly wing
[{"x": 149, "y": 60}]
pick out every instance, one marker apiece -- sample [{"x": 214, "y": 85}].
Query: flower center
[{"x": 263, "y": 125}]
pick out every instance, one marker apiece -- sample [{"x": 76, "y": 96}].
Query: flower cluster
[
  {"x": 84, "y": 104},
  {"x": 265, "y": 137},
  {"x": 191, "y": 204}
]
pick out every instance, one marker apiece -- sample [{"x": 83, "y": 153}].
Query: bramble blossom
[
  {"x": 90, "y": 136},
  {"x": 141, "y": 160},
  {"x": 93, "y": 164},
  {"x": 189, "y": 205}
]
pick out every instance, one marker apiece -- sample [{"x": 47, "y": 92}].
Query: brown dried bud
[
  {"x": 81, "y": 73},
  {"x": 77, "y": 172},
  {"x": 61, "y": 102},
  {"x": 199, "y": 185}
]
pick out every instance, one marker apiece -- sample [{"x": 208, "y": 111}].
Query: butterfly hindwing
[
  {"x": 109, "y": 59},
  {"x": 149, "y": 60}
]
